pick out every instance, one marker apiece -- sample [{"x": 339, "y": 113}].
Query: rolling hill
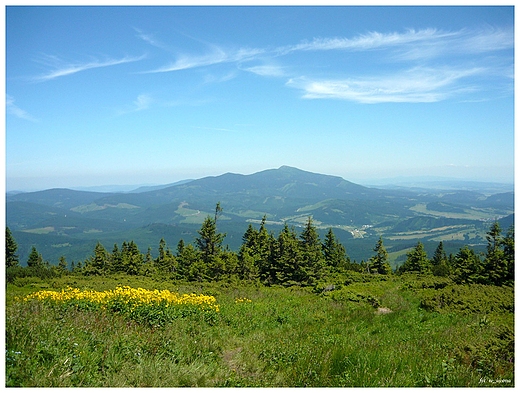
[{"x": 68, "y": 222}]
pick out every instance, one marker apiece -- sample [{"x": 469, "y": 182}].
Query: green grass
[{"x": 284, "y": 337}]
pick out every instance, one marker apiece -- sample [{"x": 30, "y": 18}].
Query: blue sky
[{"x": 153, "y": 95}]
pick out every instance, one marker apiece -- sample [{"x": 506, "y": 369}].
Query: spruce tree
[
  {"x": 439, "y": 262},
  {"x": 286, "y": 258},
  {"x": 509, "y": 255},
  {"x": 264, "y": 246},
  {"x": 116, "y": 262},
  {"x": 495, "y": 263},
  {"x": 379, "y": 262},
  {"x": 98, "y": 263},
  {"x": 35, "y": 259},
  {"x": 417, "y": 260},
  {"x": 312, "y": 262},
  {"x": 210, "y": 241},
  {"x": 11, "y": 258},
  {"x": 248, "y": 255},
  {"x": 467, "y": 267},
  {"x": 334, "y": 252},
  {"x": 62, "y": 265},
  {"x": 166, "y": 261},
  {"x": 132, "y": 259}
]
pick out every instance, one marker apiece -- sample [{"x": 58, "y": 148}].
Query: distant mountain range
[{"x": 70, "y": 222}]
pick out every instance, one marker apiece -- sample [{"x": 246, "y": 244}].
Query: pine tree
[
  {"x": 35, "y": 259},
  {"x": 115, "y": 259},
  {"x": 509, "y": 255},
  {"x": 98, "y": 263},
  {"x": 264, "y": 247},
  {"x": 210, "y": 241},
  {"x": 166, "y": 261},
  {"x": 190, "y": 264},
  {"x": 285, "y": 257},
  {"x": 495, "y": 263},
  {"x": 247, "y": 266},
  {"x": 11, "y": 258},
  {"x": 62, "y": 265},
  {"x": 248, "y": 256},
  {"x": 312, "y": 262},
  {"x": 132, "y": 259},
  {"x": 417, "y": 260},
  {"x": 334, "y": 252},
  {"x": 379, "y": 262},
  {"x": 467, "y": 267},
  {"x": 439, "y": 262},
  {"x": 149, "y": 267}
]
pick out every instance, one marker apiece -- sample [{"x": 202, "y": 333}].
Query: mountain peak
[{"x": 288, "y": 168}]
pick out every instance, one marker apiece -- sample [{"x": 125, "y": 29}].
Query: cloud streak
[
  {"x": 142, "y": 102},
  {"x": 267, "y": 70},
  {"x": 217, "y": 55},
  {"x": 62, "y": 68},
  {"x": 14, "y": 110},
  {"x": 372, "y": 40},
  {"x": 412, "y": 86},
  {"x": 419, "y": 53}
]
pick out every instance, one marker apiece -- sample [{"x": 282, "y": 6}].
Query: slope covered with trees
[
  {"x": 287, "y": 258},
  {"x": 68, "y": 223}
]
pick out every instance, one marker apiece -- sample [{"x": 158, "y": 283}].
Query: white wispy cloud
[
  {"x": 368, "y": 41},
  {"x": 460, "y": 43},
  {"x": 142, "y": 102},
  {"x": 216, "y": 55},
  {"x": 150, "y": 39},
  {"x": 14, "y": 110},
  {"x": 414, "y": 85},
  {"x": 417, "y": 52},
  {"x": 211, "y": 78},
  {"x": 267, "y": 70},
  {"x": 62, "y": 68}
]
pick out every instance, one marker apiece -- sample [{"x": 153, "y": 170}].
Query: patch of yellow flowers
[
  {"x": 128, "y": 295},
  {"x": 243, "y": 300}
]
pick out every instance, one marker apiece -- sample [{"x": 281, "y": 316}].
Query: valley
[{"x": 63, "y": 222}]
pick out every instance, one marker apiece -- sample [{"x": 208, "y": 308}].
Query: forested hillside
[
  {"x": 62, "y": 222},
  {"x": 288, "y": 258}
]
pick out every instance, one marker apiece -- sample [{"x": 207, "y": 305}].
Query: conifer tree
[
  {"x": 131, "y": 258},
  {"x": 495, "y": 262},
  {"x": 98, "y": 263},
  {"x": 62, "y": 265},
  {"x": 248, "y": 256},
  {"x": 190, "y": 264},
  {"x": 467, "y": 267},
  {"x": 264, "y": 246},
  {"x": 439, "y": 262},
  {"x": 11, "y": 258},
  {"x": 509, "y": 255},
  {"x": 417, "y": 260},
  {"x": 379, "y": 262},
  {"x": 334, "y": 252},
  {"x": 286, "y": 258},
  {"x": 210, "y": 241},
  {"x": 166, "y": 261},
  {"x": 35, "y": 259},
  {"x": 312, "y": 262},
  {"x": 116, "y": 262},
  {"x": 149, "y": 266}
]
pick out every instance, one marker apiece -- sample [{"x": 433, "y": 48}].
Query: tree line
[{"x": 287, "y": 259}]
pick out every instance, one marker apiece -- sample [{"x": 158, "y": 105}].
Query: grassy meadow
[{"x": 354, "y": 331}]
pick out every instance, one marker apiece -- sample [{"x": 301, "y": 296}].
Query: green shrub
[{"x": 471, "y": 298}]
